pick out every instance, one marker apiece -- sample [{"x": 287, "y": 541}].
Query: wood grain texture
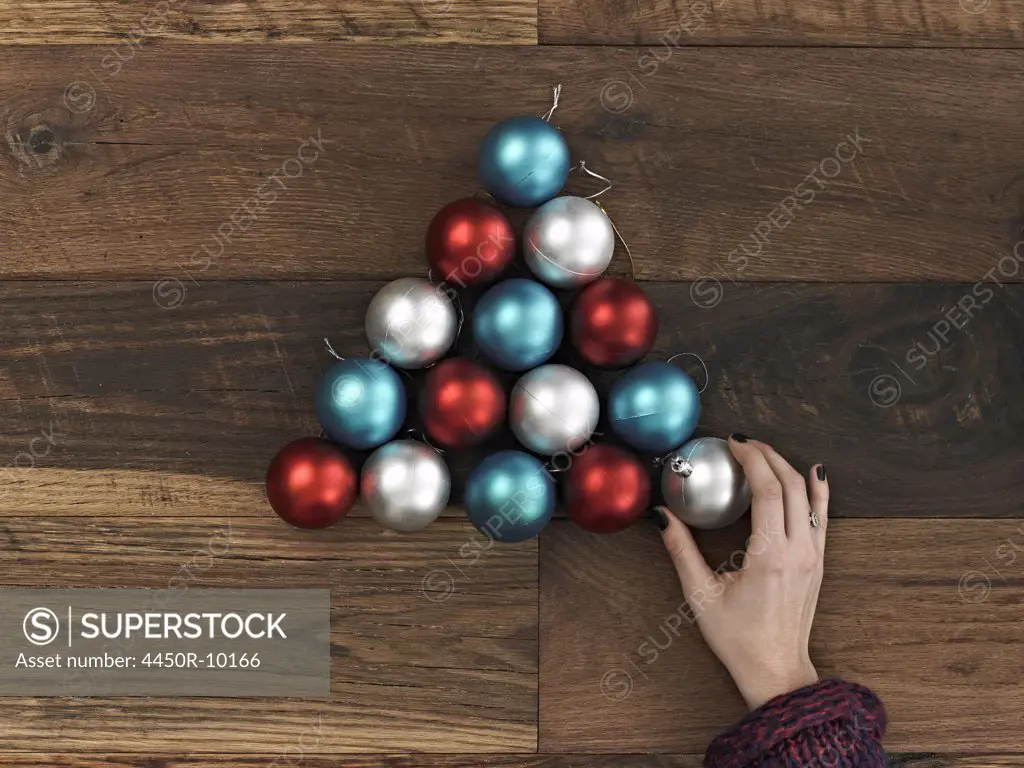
[
  {"x": 914, "y": 608},
  {"x": 712, "y": 152},
  {"x": 166, "y": 155},
  {"x": 896, "y": 23},
  {"x": 39, "y": 760},
  {"x": 125, "y": 25},
  {"x": 370, "y": 761},
  {"x": 424, "y": 657},
  {"x": 155, "y": 412}
]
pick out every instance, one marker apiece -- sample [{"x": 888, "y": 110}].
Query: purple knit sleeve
[{"x": 830, "y": 724}]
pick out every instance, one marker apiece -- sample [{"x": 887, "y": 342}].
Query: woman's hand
[{"x": 758, "y": 619}]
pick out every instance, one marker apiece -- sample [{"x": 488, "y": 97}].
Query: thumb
[{"x": 694, "y": 572}]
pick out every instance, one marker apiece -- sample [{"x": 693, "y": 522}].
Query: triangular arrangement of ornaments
[{"x": 517, "y": 325}]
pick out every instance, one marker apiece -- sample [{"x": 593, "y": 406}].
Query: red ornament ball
[
  {"x": 311, "y": 483},
  {"x": 461, "y": 403},
  {"x": 613, "y": 323},
  {"x": 607, "y": 489},
  {"x": 470, "y": 242}
]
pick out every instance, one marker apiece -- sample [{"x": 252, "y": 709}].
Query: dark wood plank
[
  {"x": 134, "y": 176},
  {"x": 420, "y": 660},
  {"x": 367, "y": 761},
  {"x": 124, "y": 25},
  {"x": 900, "y": 610},
  {"x": 898, "y": 23},
  {"x": 41, "y": 760},
  {"x": 173, "y": 412}
]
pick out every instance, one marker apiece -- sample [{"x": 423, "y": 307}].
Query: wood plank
[
  {"x": 454, "y": 761},
  {"x": 41, "y": 760},
  {"x": 417, "y": 664},
  {"x": 359, "y": 761},
  {"x": 172, "y": 413},
  {"x": 355, "y": 761},
  {"x": 135, "y": 176},
  {"x": 125, "y": 25},
  {"x": 898, "y": 23},
  {"x": 896, "y": 613}
]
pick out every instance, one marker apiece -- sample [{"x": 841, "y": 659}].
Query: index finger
[{"x": 767, "y": 512}]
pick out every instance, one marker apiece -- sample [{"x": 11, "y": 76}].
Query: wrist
[{"x": 767, "y": 684}]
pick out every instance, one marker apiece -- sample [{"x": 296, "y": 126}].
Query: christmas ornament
[
  {"x": 518, "y": 324},
  {"x": 613, "y": 323},
  {"x": 606, "y": 489},
  {"x": 360, "y": 402},
  {"x": 553, "y": 409},
  {"x": 470, "y": 242},
  {"x": 311, "y": 484},
  {"x": 410, "y": 323},
  {"x": 704, "y": 485},
  {"x": 510, "y": 497},
  {"x": 568, "y": 242},
  {"x": 406, "y": 485},
  {"x": 654, "y": 407},
  {"x": 523, "y": 161},
  {"x": 461, "y": 403}
]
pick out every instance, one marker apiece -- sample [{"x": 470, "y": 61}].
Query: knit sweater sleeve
[{"x": 830, "y": 724}]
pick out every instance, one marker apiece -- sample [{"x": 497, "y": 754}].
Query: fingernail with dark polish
[
  {"x": 739, "y": 437},
  {"x": 661, "y": 518},
  {"x": 821, "y": 472}
]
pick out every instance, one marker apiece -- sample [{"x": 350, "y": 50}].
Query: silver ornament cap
[
  {"x": 406, "y": 485},
  {"x": 411, "y": 323},
  {"x": 553, "y": 409},
  {"x": 704, "y": 485},
  {"x": 568, "y": 242}
]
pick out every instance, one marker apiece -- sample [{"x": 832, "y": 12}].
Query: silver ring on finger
[{"x": 815, "y": 520}]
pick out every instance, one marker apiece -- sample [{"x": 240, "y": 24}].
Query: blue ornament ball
[
  {"x": 510, "y": 496},
  {"x": 360, "y": 403},
  {"x": 523, "y": 161},
  {"x": 518, "y": 324},
  {"x": 654, "y": 407}
]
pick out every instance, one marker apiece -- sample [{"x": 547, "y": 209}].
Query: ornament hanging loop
[
  {"x": 457, "y": 303},
  {"x": 420, "y": 436},
  {"x": 330, "y": 349},
  {"x": 629, "y": 254},
  {"x": 707, "y": 374},
  {"x": 582, "y": 166},
  {"x": 556, "y": 93},
  {"x": 487, "y": 197}
]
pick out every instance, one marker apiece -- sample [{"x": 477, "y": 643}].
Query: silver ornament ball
[
  {"x": 553, "y": 409},
  {"x": 704, "y": 485},
  {"x": 410, "y": 323},
  {"x": 406, "y": 485},
  {"x": 568, "y": 242}
]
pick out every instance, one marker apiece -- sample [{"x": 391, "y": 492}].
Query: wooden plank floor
[
  {"x": 139, "y": 417},
  {"x": 134, "y": 176},
  {"x": 46, "y": 22},
  {"x": 413, "y": 667},
  {"x": 892, "y": 23},
  {"x": 893, "y": 615},
  {"x": 876, "y": 328}
]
